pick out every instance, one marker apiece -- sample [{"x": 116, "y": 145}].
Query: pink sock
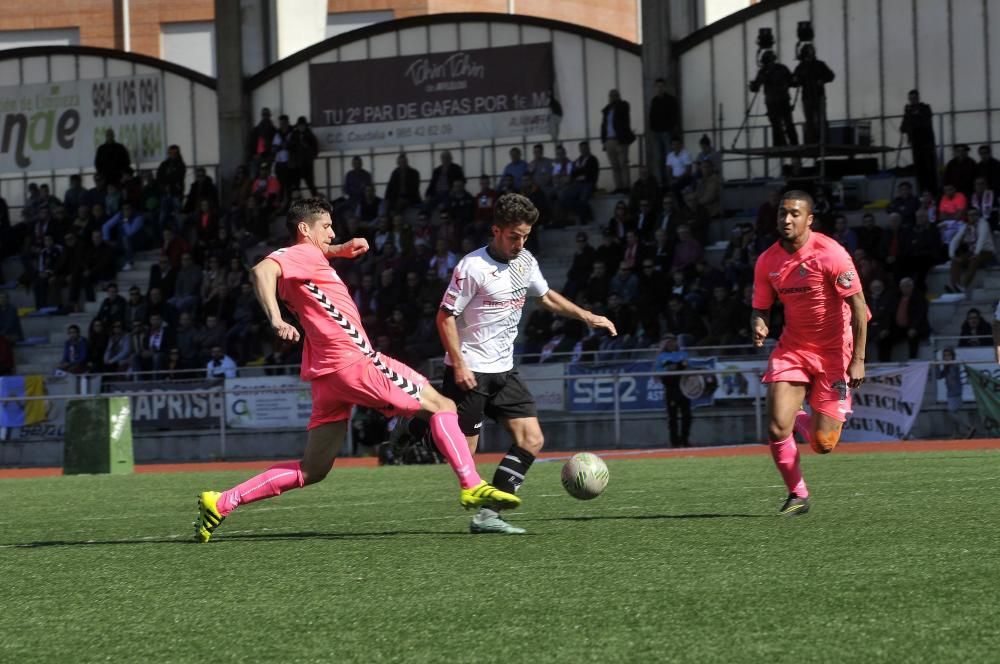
[
  {"x": 786, "y": 458},
  {"x": 451, "y": 442},
  {"x": 803, "y": 426},
  {"x": 270, "y": 483}
]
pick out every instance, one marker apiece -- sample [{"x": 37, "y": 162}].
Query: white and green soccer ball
[{"x": 585, "y": 476}]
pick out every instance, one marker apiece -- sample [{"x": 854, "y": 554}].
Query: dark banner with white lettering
[
  {"x": 457, "y": 95},
  {"x": 168, "y": 408}
]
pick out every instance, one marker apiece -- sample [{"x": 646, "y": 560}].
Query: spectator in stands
[
  {"x": 202, "y": 189},
  {"x": 73, "y": 195},
  {"x": 135, "y": 308},
  {"x": 988, "y": 167},
  {"x": 516, "y": 169},
  {"x": 599, "y": 284},
  {"x": 562, "y": 173},
  {"x": 705, "y": 200},
  {"x": 683, "y": 321},
  {"x": 118, "y": 352},
  {"x": 893, "y": 244},
  {"x": 280, "y": 149},
  {"x": 538, "y": 198},
  {"x": 442, "y": 178},
  {"x": 766, "y": 223},
  {"x": 83, "y": 223},
  {"x": 70, "y": 271},
  {"x": 74, "y": 357},
  {"x": 844, "y": 234},
  {"x": 174, "y": 247},
  {"x": 672, "y": 358},
  {"x": 625, "y": 284},
  {"x": 736, "y": 258},
  {"x": 485, "y": 200},
  {"x": 724, "y": 319},
  {"x": 929, "y": 205},
  {"x": 581, "y": 267},
  {"x": 112, "y": 159},
  {"x": 204, "y": 221},
  {"x": 266, "y": 189},
  {"x": 662, "y": 252},
  {"x": 171, "y": 173},
  {"x": 303, "y": 148},
  {"x": 645, "y": 220},
  {"x": 220, "y": 365},
  {"x": 128, "y": 224},
  {"x": 951, "y": 374},
  {"x": 7, "y": 364},
  {"x": 645, "y": 188},
  {"x": 540, "y": 168},
  {"x": 403, "y": 190},
  {"x": 113, "y": 307},
  {"x": 45, "y": 278},
  {"x": 609, "y": 251},
  {"x": 616, "y": 137},
  {"x": 157, "y": 304},
  {"x": 213, "y": 333},
  {"x": 156, "y": 340},
  {"x": 961, "y": 170},
  {"x": 970, "y": 249},
  {"x": 619, "y": 312},
  {"x": 982, "y": 199},
  {"x": 461, "y": 207},
  {"x": 867, "y": 237},
  {"x": 881, "y": 326},
  {"x": 619, "y": 224},
  {"x": 163, "y": 277},
  {"x": 680, "y": 167},
  {"x": 245, "y": 328},
  {"x": 369, "y": 207},
  {"x": 708, "y": 153},
  {"x": 688, "y": 250},
  {"x": 10, "y": 322},
  {"x": 187, "y": 288},
  {"x": 905, "y": 203},
  {"x": 910, "y": 321},
  {"x": 664, "y": 120},
  {"x": 355, "y": 181},
  {"x": 918, "y": 126},
  {"x": 975, "y": 331},
  {"x": 261, "y": 138},
  {"x": 922, "y": 250},
  {"x": 187, "y": 340},
  {"x": 634, "y": 250},
  {"x": 576, "y": 197},
  {"x": 443, "y": 261}
]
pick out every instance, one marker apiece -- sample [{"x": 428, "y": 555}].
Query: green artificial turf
[{"x": 681, "y": 560}]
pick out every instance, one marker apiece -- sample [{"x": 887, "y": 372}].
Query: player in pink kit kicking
[
  {"x": 821, "y": 352},
  {"x": 344, "y": 370}
]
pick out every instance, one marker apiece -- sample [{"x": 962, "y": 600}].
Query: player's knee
[
  {"x": 823, "y": 442},
  {"x": 532, "y": 442},
  {"x": 313, "y": 473},
  {"x": 778, "y": 432}
]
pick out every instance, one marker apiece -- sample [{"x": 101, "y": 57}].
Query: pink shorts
[
  {"x": 824, "y": 373},
  {"x": 378, "y": 382}
]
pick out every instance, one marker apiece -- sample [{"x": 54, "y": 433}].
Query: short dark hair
[
  {"x": 799, "y": 195},
  {"x": 660, "y": 80},
  {"x": 513, "y": 209},
  {"x": 306, "y": 210},
  {"x": 72, "y": 327}
]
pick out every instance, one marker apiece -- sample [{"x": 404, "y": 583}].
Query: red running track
[{"x": 725, "y": 451}]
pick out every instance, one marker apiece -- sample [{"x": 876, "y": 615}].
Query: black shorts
[{"x": 496, "y": 395}]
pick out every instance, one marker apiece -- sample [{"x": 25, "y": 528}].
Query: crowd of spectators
[{"x": 647, "y": 271}]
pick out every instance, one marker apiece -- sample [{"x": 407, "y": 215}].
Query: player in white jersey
[{"x": 477, "y": 323}]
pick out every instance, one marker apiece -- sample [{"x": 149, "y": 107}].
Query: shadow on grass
[
  {"x": 647, "y": 517},
  {"x": 248, "y": 537}
]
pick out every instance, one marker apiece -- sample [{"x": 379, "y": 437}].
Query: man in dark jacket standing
[
  {"x": 616, "y": 136},
  {"x": 919, "y": 129},
  {"x": 403, "y": 189},
  {"x": 663, "y": 122},
  {"x": 112, "y": 159},
  {"x": 812, "y": 75}
]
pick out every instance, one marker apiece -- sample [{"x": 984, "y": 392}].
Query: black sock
[{"x": 512, "y": 469}]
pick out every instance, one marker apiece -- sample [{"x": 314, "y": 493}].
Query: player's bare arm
[
  {"x": 760, "y": 320},
  {"x": 351, "y": 249},
  {"x": 265, "y": 275},
  {"x": 859, "y": 330},
  {"x": 557, "y": 304},
  {"x": 448, "y": 331}
]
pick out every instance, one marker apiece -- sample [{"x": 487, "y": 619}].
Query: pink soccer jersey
[
  {"x": 315, "y": 293},
  {"x": 812, "y": 284}
]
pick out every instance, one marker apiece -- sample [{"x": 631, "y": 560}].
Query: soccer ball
[{"x": 585, "y": 476}]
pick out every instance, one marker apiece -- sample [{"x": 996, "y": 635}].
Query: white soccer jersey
[{"x": 487, "y": 296}]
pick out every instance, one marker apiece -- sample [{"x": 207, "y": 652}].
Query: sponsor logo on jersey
[
  {"x": 797, "y": 289},
  {"x": 845, "y": 279}
]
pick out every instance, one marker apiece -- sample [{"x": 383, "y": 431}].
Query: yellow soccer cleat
[
  {"x": 208, "y": 516},
  {"x": 487, "y": 495}
]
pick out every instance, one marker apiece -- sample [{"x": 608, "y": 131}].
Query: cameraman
[
  {"x": 776, "y": 79},
  {"x": 810, "y": 76}
]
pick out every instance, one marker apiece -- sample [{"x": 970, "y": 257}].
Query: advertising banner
[
  {"x": 545, "y": 381},
  {"x": 887, "y": 403},
  {"x": 980, "y": 358},
  {"x": 987, "y": 390},
  {"x": 276, "y": 402},
  {"x": 594, "y": 390},
  {"x": 51, "y": 126},
  {"x": 432, "y": 97},
  {"x": 167, "y": 408},
  {"x": 37, "y": 419}
]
